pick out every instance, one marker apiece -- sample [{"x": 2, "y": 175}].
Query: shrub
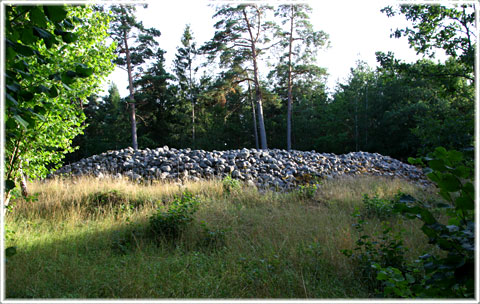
[
  {"x": 171, "y": 223},
  {"x": 386, "y": 250},
  {"x": 376, "y": 207},
  {"x": 449, "y": 274},
  {"x": 230, "y": 184},
  {"x": 308, "y": 191}
]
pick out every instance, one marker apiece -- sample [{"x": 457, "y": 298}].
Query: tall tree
[
  {"x": 436, "y": 27},
  {"x": 48, "y": 49},
  {"x": 156, "y": 102},
  {"x": 300, "y": 44},
  {"x": 185, "y": 70},
  {"x": 135, "y": 45},
  {"x": 239, "y": 42}
]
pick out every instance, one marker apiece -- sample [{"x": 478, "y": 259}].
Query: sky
[{"x": 357, "y": 30}]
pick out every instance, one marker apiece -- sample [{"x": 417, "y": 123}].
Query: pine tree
[
  {"x": 135, "y": 45},
  {"x": 185, "y": 70},
  {"x": 240, "y": 40},
  {"x": 300, "y": 44}
]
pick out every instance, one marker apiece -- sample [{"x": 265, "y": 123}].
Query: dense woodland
[{"x": 398, "y": 109}]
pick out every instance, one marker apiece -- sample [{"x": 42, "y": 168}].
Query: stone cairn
[{"x": 272, "y": 168}]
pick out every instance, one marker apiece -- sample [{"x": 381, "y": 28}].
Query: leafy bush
[
  {"x": 387, "y": 250},
  {"x": 308, "y": 191},
  {"x": 449, "y": 274},
  {"x": 230, "y": 184},
  {"x": 377, "y": 207},
  {"x": 171, "y": 223}
]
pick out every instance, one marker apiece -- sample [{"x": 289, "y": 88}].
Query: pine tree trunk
[
  {"x": 254, "y": 116},
  {"x": 258, "y": 93},
  {"x": 289, "y": 83},
  {"x": 132, "y": 100}
]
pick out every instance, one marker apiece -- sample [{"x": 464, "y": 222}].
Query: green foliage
[
  {"x": 434, "y": 27},
  {"x": 376, "y": 207},
  {"x": 231, "y": 185},
  {"x": 56, "y": 56},
  {"x": 308, "y": 191},
  {"x": 387, "y": 250},
  {"x": 451, "y": 273},
  {"x": 170, "y": 224}
]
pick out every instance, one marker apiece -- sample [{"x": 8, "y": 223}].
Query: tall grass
[{"x": 88, "y": 238}]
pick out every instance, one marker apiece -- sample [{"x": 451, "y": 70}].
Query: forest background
[{"x": 382, "y": 109}]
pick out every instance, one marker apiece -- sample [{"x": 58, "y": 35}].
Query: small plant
[
  {"x": 230, "y": 184},
  {"x": 376, "y": 207},
  {"x": 308, "y": 191},
  {"x": 171, "y": 223},
  {"x": 387, "y": 250}
]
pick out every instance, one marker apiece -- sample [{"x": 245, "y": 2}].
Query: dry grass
[{"x": 276, "y": 244}]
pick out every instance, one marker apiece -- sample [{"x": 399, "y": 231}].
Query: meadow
[{"x": 88, "y": 238}]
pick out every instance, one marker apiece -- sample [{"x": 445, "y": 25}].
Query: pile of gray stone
[{"x": 262, "y": 168}]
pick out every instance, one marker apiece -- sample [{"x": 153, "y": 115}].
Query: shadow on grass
[{"x": 126, "y": 262}]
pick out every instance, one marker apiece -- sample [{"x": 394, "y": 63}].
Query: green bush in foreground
[
  {"x": 171, "y": 223},
  {"x": 451, "y": 273}
]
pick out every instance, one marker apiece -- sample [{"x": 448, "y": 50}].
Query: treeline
[{"x": 223, "y": 95}]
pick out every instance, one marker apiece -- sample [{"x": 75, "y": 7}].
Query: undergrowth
[{"x": 86, "y": 238}]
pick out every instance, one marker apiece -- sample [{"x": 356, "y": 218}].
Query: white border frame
[{"x": 2, "y": 142}]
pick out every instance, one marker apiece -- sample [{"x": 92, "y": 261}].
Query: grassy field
[{"x": 86, "y": 238}]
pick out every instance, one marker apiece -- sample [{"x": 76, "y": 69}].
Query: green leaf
[
  {"x": 434, "y": 177},
  {"x": 9, "y": 185},
  {"x": 455, "y": 156},
  {"x": 47, "y": 37},
  {"x": 26, "y": 35},
  {"x": 21, "y": 121},
  {"x": 26, "y": 96},
  {"x": 427, "y": 217},
  {"x": 11, "y": 100},
  {"x": 83, "y": 70},
  {"x": 55, "y": 13},
  {"x": 382, "y": 275},
  {"x": 464, "y": 202},
  {"x": 437, "y": 164},
  {"x": 41, "y": 89},
  {"x": 440, "y": 152},
  {"x": 37, "y": 16},
  {"x": 24, "y": 50},
  {"x": 410, "y": 278},
  {"x": 52, "y": 92},
  {"x": 10, "y": 251},
  {"x": 450, "y": 183},
  {"x": 10, "y": 53},
  {"x": 39, "y": 110},
  {"x": 69, "y": 37}
]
